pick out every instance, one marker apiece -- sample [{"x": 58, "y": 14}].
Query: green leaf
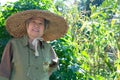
[{"x": 85, "y": 54}]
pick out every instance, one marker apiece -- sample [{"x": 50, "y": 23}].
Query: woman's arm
[
  {"x": 54, "y": 61},
  {"x": 5, "y": 66}
]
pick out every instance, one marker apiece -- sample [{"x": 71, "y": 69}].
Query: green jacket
[{"x": 22, "y": 64}]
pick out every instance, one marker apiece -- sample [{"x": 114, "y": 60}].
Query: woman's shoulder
[
  {"x": 14, "y": 40},
  {"x": 46, "y": 44}
]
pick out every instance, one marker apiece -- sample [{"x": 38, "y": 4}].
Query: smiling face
[{"x": 35, "y": 28}]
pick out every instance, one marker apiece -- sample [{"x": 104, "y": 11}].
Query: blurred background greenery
[{"x": 91, "y": 48}]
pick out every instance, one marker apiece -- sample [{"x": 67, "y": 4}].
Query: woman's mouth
[{"x": 35, "y": 30}]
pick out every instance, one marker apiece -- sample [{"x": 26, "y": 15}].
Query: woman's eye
[
  {"x": 39, "y": 23},
  {"x": 32, "y": 21}
]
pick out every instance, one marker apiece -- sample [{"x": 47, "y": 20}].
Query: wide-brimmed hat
[{"x": 57, "y": 26}]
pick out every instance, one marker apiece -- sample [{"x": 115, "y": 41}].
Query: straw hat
[{"x": 57, "y": 27}]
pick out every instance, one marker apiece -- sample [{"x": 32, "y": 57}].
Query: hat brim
[{"x": 57, "y": 27}]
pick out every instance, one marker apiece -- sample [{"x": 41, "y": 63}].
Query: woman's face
[{"x": 35, "y": 28}]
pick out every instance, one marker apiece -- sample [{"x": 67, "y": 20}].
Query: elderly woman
[{"x": 28, "y": 56}]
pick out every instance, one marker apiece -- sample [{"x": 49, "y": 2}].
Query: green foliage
[{"x": 89, "y": 50}]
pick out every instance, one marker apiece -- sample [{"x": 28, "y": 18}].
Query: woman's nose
[{"x": 36, "y": 24}]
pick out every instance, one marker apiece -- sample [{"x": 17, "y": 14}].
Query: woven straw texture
[{"x": 15, "y": 24}]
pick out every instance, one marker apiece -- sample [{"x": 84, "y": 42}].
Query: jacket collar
[{"x": 25, "y": 40}]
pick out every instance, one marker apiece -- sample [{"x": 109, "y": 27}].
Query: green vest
[{"x": 26, "y": 66}]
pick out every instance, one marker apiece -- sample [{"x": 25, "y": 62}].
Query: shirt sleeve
[
  {"x": 54, "y": 57},
  {"x": 54, "y": 61},
  {"x": 5, "y": 65}
]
